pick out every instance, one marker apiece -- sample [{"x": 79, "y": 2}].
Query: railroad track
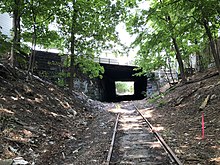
[{"x": 138, "y": 143}]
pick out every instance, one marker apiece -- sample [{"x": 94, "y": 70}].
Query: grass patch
[
  {"x": 158, "y": 100},
  {"x": 155, "y": 98}
]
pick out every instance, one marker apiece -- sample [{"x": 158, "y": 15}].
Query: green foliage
[
  {"x": 94, "y": 27},
  {"x": 5, "y": 44},
  {"x": 155, "y": 27},
  {"x": 61, "y": 79},
  {"x": 161, "y": 103},
  {"x": 86, "y": 28},
  {"x": 36, "y": 18},
  {"x": 90, "y": 67},
  {"x": 91, "y": 22},
  {"x": 157, "y": 100}
]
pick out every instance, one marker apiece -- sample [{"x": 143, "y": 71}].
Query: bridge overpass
[
  {"x": 114, "y": 72},
  {"x": 107, "y": 88}
]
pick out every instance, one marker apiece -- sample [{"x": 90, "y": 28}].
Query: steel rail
[
  {"x": 112, "y": 142},
  {"x": 161, "y": 140}
]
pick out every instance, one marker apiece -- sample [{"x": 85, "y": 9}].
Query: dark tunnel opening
[{"x": 116, "y": 73}]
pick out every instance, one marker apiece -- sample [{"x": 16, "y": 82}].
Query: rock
[
  {"x": 72, "y": 112},
  {"x": 13, "y": 149},
  {"x": 1, "y": 149},
  {"x": 19, "y": 161},
  {"x": 205, "y": 102},
  {"x": 14, "y": 106},
  {"x": 28, "y": 91},
  {"x": 83, "y": 123},
  {"x": 70, "y": 116},
  {"x": 77, "y": 150},
  {"x": 6, "y": 162},
  {"x": 213, "y": 97}
]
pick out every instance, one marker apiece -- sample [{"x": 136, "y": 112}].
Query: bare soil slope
[
  {"x": 179, "y": 114},
  {"x": 42, "y": 124}
]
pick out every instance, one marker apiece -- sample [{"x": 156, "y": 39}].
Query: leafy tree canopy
[{"x": 166, "y": 20}]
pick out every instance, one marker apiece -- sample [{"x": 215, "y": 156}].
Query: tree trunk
[
  {"x": 179, "y": 60},
  {"x": 72, "y": 62},
  {"x": 16, "y": 33},
  {"x": 217, "y": 46},
  {"x": 199, "y": 63},
  {"x": 178, "y": 55},
  {"x": 170, "y": 69},
  {"x": 33, "y": 52},
  {"x": 34, "y": 42},
  {"x": 212, "y": 44},
  {"x": 72, "y": 48}
]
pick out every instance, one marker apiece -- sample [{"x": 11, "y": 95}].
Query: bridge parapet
[{"x": 112, "y": 61}]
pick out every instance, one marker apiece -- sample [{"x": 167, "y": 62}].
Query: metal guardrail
[
  {"x": 106, "y": 61},
  {"x": 111, "y": 61}
]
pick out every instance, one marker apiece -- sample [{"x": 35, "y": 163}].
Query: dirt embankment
[
  {"x": 43, "y": 124},
  {"x": 179, "y": 114}
]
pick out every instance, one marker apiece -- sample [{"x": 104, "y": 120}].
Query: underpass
[
  {"x": 114, "y": 73},
  {"x": 50, "y": 64}
]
